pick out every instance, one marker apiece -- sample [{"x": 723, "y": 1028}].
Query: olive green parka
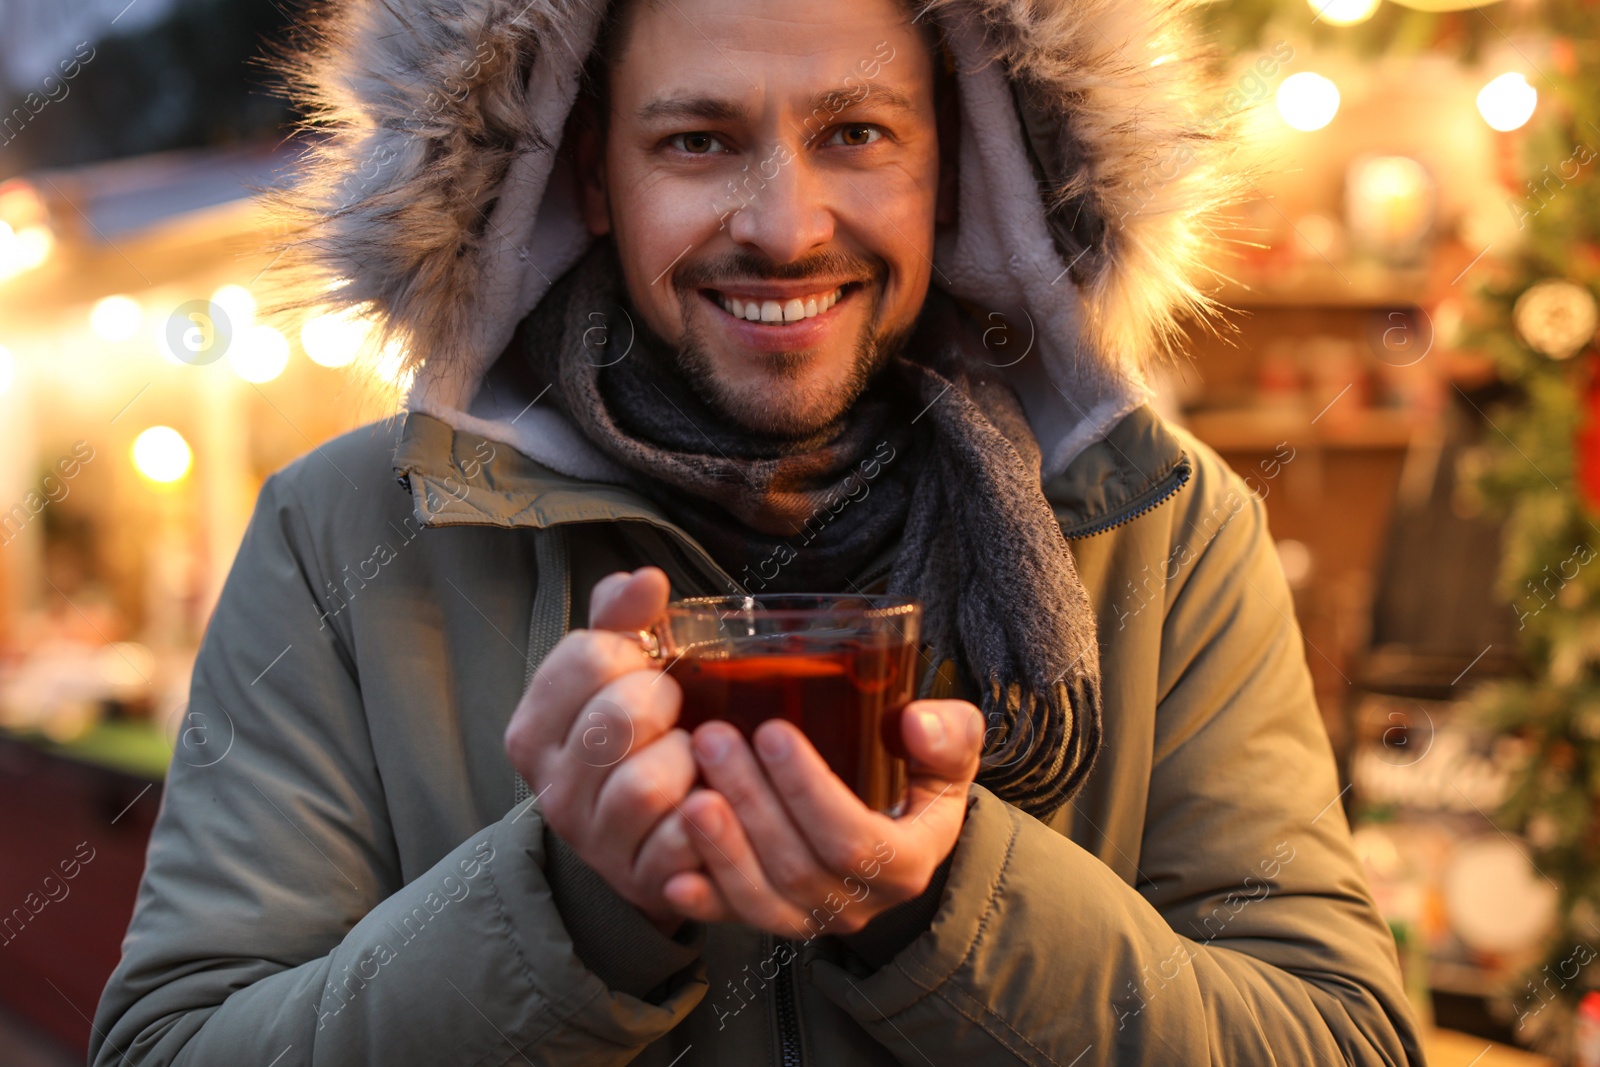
[{"x": 354, "y": 881}]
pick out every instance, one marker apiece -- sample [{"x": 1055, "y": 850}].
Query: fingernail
[
  {"x": 772, "y": 743},
  {"x": 712, "y": 745},
  {"x": 933, "y": 727}
]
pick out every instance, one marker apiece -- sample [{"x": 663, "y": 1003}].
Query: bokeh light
[
  {"x": 116, "y": 318},
  {"x": 238, "y": 304},
  {"x": 259, "y": 355},
  {"x": 1308, "y": 101},
  {"x": 1344, "y": 12},
  {"x": 161, "y": 454},
  {"x": 334, "y": 339},
  {"x": 23, "y": 249},
  {"x": 391, "y": 368},
  {"x": 1507, "y": 102}
]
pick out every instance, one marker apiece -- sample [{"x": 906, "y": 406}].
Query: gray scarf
[{"x": 937, "y": 457}]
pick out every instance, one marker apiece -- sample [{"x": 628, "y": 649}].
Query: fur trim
[
  {"x": 429, "y": 198},
  {"x": 420, "y": 112},
  {"x": 1109, "y": 92}
]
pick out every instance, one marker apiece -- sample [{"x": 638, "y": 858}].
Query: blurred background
[{"x": 1405, "y": 376}]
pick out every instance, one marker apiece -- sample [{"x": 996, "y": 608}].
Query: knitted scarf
[{"x": 935, "y": 463}]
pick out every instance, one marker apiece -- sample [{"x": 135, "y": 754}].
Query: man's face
[{"x": 770, "y": 174}]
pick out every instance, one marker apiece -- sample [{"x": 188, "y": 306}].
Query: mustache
[{"x": 745, "y": 265}]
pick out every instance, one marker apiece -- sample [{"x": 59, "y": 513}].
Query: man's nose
[{"x": 784, "y": 216}]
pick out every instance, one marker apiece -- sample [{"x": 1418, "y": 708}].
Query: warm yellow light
[
  {"x": 161, "y": 454},
  {"x": 23, "y": 249},
  {"x": 1387, "y": 177},
  {"x": 238, "y": 304},
  {"x": 1308, "y": 101},
  {"x": 391, "y": 368},
  {"x": 1507, "y": 101},
  {"x": 8, "y": 369},
  {"x": 1344, "y": 12},
  {"x": 259, "y": 354},
  {"x": 35, "y": 243},
  {"x": 334, "y": 339},
  {"x": 116, "y": 318},
  {"x": 1389, "y": 204}
]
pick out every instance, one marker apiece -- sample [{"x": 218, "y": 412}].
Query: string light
[
  {"x": 1344, "y": 12},
  {"x": 334, "y": 339},
  {"x": 238, "y": 304},
  {"x": 1308, "y": 101},
  {"x": 259, "y": 354},
  {"x": 391, "y": 368},
  {"x": 24, "y": 249},
  {"x": 116, "y": 318},
  {"x": 1507, "y": 102},
  {"x": 161, "y": 454}
]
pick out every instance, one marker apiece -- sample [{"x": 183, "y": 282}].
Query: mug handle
[{"x": 650, "y": 643}]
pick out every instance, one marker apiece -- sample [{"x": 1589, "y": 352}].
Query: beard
[{"x": 789, "y": 403}]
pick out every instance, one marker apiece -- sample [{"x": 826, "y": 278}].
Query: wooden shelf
[
  {"x": 1447, "y": 1048},
  {"x": 1322, "y": 285},
  {"x": 1261, "y": 429}
]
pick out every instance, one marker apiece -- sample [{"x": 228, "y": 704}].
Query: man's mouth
[{"x": 753, "y": 307}]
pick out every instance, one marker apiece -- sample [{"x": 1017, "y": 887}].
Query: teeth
[{"x": 772, "y": 311}]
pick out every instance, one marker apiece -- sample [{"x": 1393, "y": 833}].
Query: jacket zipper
[
  {"x": 1177, "y": 479},
  {"x": 787, "y": 1008}
]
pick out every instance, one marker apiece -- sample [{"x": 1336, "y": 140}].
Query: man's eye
[
  {"x": 696, "y": 144},
  {"x": 856, "y": 134}
]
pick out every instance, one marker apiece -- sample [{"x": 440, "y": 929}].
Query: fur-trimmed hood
[{"x": 431, "y": 202}]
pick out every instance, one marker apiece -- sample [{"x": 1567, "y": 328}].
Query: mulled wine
[{"x": 840, "y": 668}]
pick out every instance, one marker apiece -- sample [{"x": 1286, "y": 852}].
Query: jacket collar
[
  {"x": 458, "y": 478},
  {"x": 1138, "y": 465}
]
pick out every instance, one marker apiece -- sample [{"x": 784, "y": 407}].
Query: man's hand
[
  {"x": 594, "y": 737},
  {"x": 785, "y": 841}
]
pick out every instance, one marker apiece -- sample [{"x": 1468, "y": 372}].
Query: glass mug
[{"x": 840, "y": 667}]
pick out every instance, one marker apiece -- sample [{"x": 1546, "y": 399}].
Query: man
[{"x": 848, "y": 296}]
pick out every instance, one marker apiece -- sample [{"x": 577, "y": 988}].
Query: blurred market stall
[{"x": 142, "y": 402}]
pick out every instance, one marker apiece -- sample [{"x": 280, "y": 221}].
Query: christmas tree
[{"x": 1538, "y": 466}]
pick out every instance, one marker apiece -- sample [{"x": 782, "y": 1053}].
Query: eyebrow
[{"x": 722, "y": 109}]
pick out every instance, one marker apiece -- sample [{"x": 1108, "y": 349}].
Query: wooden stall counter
[
  {"x": 1447, "y": 1048},
  {"x": 78, "y": 819}
]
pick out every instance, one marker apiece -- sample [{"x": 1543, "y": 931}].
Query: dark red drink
[{"x": 845, "y": 693}]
